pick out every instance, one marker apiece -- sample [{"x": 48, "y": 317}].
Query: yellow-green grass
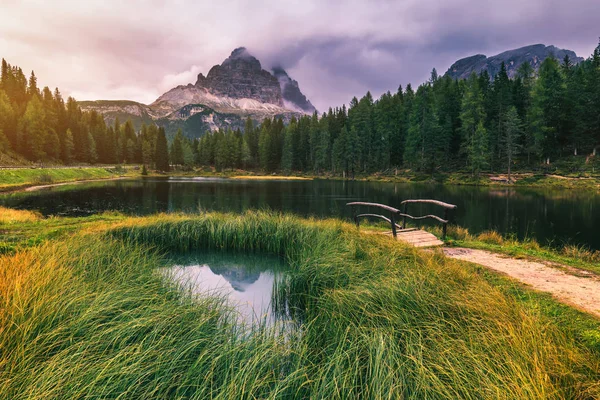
[
  {"x": 87, "y": 316},
  {"x": 12, "y": 179}
]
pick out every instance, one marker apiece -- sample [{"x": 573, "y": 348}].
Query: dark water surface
[{"x": 551, "y": 216}]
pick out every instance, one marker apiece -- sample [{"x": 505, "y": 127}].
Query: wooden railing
[{"x": 394, "y": 213}]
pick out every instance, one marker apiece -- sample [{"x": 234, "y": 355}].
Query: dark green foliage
[
  {"x": 177, "y": 149},
  {"x": 476, "y": 125},
  {"x": 161, "y": 155}
]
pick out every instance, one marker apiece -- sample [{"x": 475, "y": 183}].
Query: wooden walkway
[
  {"x": 417, "y": 237},
  {"x": 413, "y": 236}
]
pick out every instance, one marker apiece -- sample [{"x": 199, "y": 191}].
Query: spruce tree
[
  {"x": 472, "y": 113},
  {"x": 68, "y": 148},
  {"x": 477, "y": 150},
  {"x": 177, "y": 149},
  {"x": 546, "y": 113},
  {"x": 510, "y": 140},
  {"x": 161, "y": 156},
  {"x": 32, "y": 131}
]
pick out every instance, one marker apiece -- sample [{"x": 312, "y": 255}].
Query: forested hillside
[
  {"x": 40, "y": 126},
  {"x": 474, "y": 125}
]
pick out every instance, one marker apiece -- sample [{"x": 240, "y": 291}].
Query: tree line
[
  {"x": 40, "y": 126},
  {"x": 476, "y": 124}
]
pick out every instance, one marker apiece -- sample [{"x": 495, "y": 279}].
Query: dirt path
[
  {"x": 581, "y": 291},
  {"x": 42, "y": 187}
]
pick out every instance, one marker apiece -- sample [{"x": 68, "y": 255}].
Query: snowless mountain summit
[
  {"x": 238, "y": 85},
  {"x": 534, "y": 54},
  {"x": 236, "y": 89}
]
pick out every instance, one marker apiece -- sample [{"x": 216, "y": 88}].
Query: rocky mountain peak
[
  {"x": 293, "y": 98},
  {"x": 534, "y": 54},
  {"x": 241, "y": 76}
]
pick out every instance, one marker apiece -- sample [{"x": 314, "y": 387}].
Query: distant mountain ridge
[
  {"x": 533, "y": 54},
  {"x": 236, "y": 89}
]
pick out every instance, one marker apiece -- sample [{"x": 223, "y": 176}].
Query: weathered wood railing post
[
  {"x": 393, "y": 222},
  {"x": 445, "y": 224}
]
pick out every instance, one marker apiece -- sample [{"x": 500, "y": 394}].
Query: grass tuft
[
  {"x": 12, "y": 216},
  {"x": 491, "y": 237}
]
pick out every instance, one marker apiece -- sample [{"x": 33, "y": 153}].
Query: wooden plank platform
[{"x": 417, "y": 238}]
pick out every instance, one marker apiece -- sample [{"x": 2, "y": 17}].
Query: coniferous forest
[{"x": 534, "y": 121}]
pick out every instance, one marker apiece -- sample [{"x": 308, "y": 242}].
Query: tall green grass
[{"x": 90, "y": 318}]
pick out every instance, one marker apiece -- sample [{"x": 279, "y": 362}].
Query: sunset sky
[{"x": 138, "y": 49}]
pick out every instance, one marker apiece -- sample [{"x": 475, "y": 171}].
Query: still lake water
[{"x": 551, "y": 216}]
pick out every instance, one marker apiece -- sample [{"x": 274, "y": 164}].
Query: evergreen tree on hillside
[
  {"x": 32, "y": 132},
  {"x": 177, "y": 149},
  {"x": 477, "y": 150},
  {"x": 287, "y": 155},
  {"x": 510, "y": 139},
  {"x": 68, "y": 148},
  {"x": 423, "y": 148},
  {"x": 8, "y": 120},
  {"x": 472, "y": 115},
  {"x": 161, "y": 157},
  {"x": 546, "y": 114}
]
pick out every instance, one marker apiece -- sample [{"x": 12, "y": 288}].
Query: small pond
[{"x": 247, "y": 282}]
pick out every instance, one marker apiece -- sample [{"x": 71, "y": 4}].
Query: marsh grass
[
  {"x": 89, "y": 318},
  {"x": 12, "y": 216}
]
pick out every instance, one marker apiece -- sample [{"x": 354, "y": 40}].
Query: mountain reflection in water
[{"x": 247, "y": 282}]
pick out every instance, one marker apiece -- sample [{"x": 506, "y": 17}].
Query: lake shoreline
[
  {"x": 91, "y": 174},
  {"x": 459, "y": 179}
]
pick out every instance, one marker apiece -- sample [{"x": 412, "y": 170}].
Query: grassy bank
[
  {"x": 567, "y": 181},
  {"x": 87, "y": 315},
  {"x": 14, "y": 179}
]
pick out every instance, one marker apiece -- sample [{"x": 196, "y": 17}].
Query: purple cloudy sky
[{"x": 138, "y": 49}]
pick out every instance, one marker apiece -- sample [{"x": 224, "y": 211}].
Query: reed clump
[
  {"x": 12, "y": 216},
  {"x": 491, "y": 237},
  {"x": 90, "y": 317},
  {"x": 582, "y": 253}
]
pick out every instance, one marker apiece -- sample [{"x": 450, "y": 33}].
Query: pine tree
[
  {"x": 177, "y": 149},
  {"x": 161, "y": 157},
  {"x": 68, "y": 148},
  {"x": 92, "y": 154},
  {"x": 52, "y": 145},
  {"x": 32, "y": 132},
  {"x": 8, "y": 120},
  {"x": 477, "y": 150},
  {"x": 472, "y": 113},
  {"x": 510, "y": 139},
  {"x": 264, "y": 145},
  {"x": 287, "y": 156},
  {"x": 546, "y": 113},
  {"x": 322, "y": 151},
  {"x": 33, "y": 89},
  {"x": 422, "y": 147}
]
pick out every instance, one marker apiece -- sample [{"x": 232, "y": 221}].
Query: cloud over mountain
[{"x": 137, "y": 49}]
